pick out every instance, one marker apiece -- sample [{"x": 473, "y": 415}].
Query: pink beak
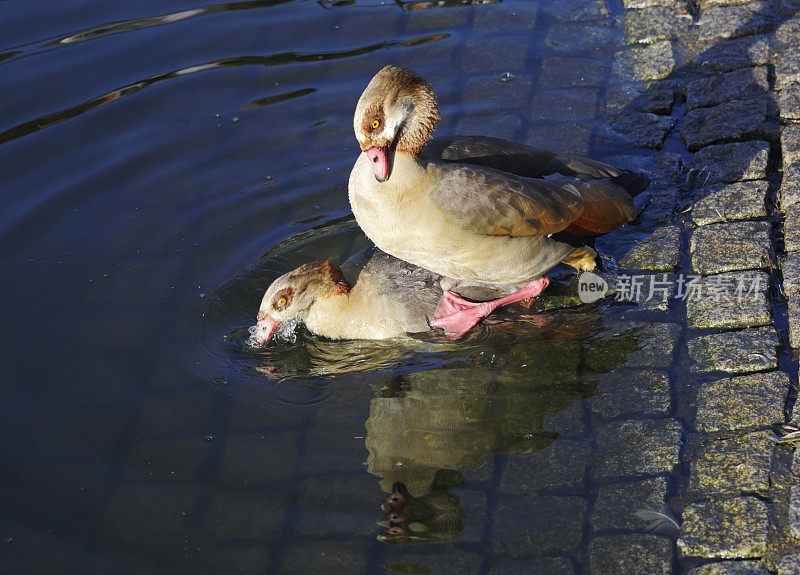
[
  {"x": 379, "y": 156},
  {"x": 266, "y": 329}
]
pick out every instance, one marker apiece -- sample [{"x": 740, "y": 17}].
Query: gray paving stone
[
  {"x": 790, "y": 268},
  {"x": 571, "y": 138},
  {"x": 332, "y": 556},
  {"x": 705, "y": 4},
  {"x": 650, "y": 62},
  {"x": 794, "y": 510},
  {"x": 661, "y": 207},
  {"x": 788, "y": 33},
  {"x": 562, "y": 464},
  {"x": 789, "y": 102},
  {"x": 794, "y": 321},
  {"x": 571, "y": 105},
  {"x": 654, "y": 345},
  {"x": 791, "y": 227},
  {"x": 735, "y": 528},
  {"x": 655, "y": 23},
  {"x": 495, "y": 124},
  {"x": 787, "y": 68},
  {"x": 731, "y": 568},
  {"x": 790, "y": 185},
  {"x": 633, "y": 448},
  {"x": 559, "y": 526},
  {"x": 568, "y": 421},
  {"x": 495, "y": 54},
  {"x": 739, "y": 53},
  {"x": 538, "y": 565},
  {"x": 165, "y": 459},
  {"x": 742, "y": 351},
  {"x": 248, "y": 459},
  {"x": 729, "y": 300},
  {"x": 626, "y": 393},
  {"x": 665, "y": 170},
  {"x": 789, "y": 565},
  {"x": 616, "y": 505},
  {"x": 734, "y": 120},
  {"x": 659, "y": 251},
  {"x": 726, "y": 202},
  {"x": 735, "y": 21},
  {"x": 656, "y": 98},
  {"x": 630, "y": 554},
  {"x": 730, "y": 246},
  {"x": 737, "y": 464},
  {"x": 244, "y": 559},
  {"x": 744, "y": 84},
  {"x": 575, "y": 72},
  {"x": 745, "y": 402},
  {"x": 730, "y": 163},
  {"x": 489, "y": 91},
  {"x": 790, "y": 144},
  {"x": 644, "y": 129},
  {"x": 579, "y": 10}
]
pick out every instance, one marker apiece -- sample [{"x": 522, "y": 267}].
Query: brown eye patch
[
  {"x": 373, "y": 120},
  {"x": 282, "y": 299}
]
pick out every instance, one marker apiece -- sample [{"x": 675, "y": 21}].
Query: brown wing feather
[
  {"x": 515, "y": 158},
  {"x": 492, "y": 202},
  {"x": 607, "y": 208}
]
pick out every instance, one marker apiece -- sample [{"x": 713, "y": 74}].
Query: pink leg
[{"x": 457, "y": 315}]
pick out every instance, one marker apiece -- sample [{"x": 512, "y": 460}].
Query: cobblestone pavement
[{"x": 735, "y": 70}]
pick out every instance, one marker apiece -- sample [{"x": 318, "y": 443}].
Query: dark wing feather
[
  {"x": 515, "y": 158},
  {"x": 492, "y": 202}
]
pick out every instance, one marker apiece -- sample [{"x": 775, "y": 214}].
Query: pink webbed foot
[{"x": 457, "y": 315}]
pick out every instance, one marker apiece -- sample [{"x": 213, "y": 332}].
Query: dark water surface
[{"x": 160, "y": 164}]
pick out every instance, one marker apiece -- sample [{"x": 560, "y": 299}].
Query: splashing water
[{"x": 260, "y": 332}]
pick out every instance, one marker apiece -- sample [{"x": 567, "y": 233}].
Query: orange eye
[
  {"x": 376, "y": 124},
  {"x": 281, "y": 303}
]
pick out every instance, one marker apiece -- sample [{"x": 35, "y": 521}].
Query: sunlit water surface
[{"x": 160, "y": 164}]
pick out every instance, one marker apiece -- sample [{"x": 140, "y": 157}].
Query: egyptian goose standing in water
[{"x": 475, "y": 210}]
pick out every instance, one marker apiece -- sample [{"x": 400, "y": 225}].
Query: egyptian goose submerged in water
[
  {"x": 388, "y": 298},
  {"x": 475, "y": 210}
]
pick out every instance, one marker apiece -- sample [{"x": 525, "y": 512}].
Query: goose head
[
  {"x": 291, "y": 295},
  {"x": 396, "y": 113}
]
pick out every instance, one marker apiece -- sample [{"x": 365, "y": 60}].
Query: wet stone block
[
  {"x": 789, "y": 102},
  {"x": 560, "y": 72},
  {"x": 726, "y": 202},
  {"x": 655, "y": 345},
  {"x": 559, "y": 526},
  {"x": 659, "y": 251},
  {"x": 579, "y": 10},
  {"x": 788, "y": 33},
  {"x": 790, "y": 144},
  {"x": 650, "y": 554},
  {"x": 790, "y": 185},
  {"x": 705, "y": 4},
  {"x": 790, "y": 565},
  {"x": 251, "y": 460},
  {"x": 638, "y": 4},
  {"x": 730, "y": 246},
  {"x": 791, "y": 227},
  {"x": 735, "y": 21},
  {"x": 729, "y": 300},
  {"x": 339, "y": 556},
  {"x": 736, "y": 528},
  {"x": 751, "y": 349},
  {"x": 577, "y": 104},
  {"x": 790, "y": 269},
  {"x": 485, "y": 89},
  {"x": 495, "y": 54},
  {"x": 737, "y": 464},
  {"x": 657, "y": 98},
  {"x": 734, "y": 120},
  {"x": 649, "y": 25},
  {"x": 570, "y": 138},
  {"x": 738, "y": 53},
  {"x": 626, "y": 393},
  {"x": 745, "y": 402},
  {"x": 616, "y": 505},
  {"x": 731, "y": 568},
  {"x": 730, "y": 163},
  {"x": 748, "y": 83},
  {"x": 651, "y": 62},
  {"x": 562, "y": 464},
  {"x": 246, "y": 514},
  {"x": 538, "y": 565},
  {"x": 787, "y": 68},
  {"x": 794, "y": 510},
  {"x": 568, "y": 421},
  {"x": 644, "y": 129},
  {"x": 794, "y": 321},
  {"x": 633, "y": 448}
]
